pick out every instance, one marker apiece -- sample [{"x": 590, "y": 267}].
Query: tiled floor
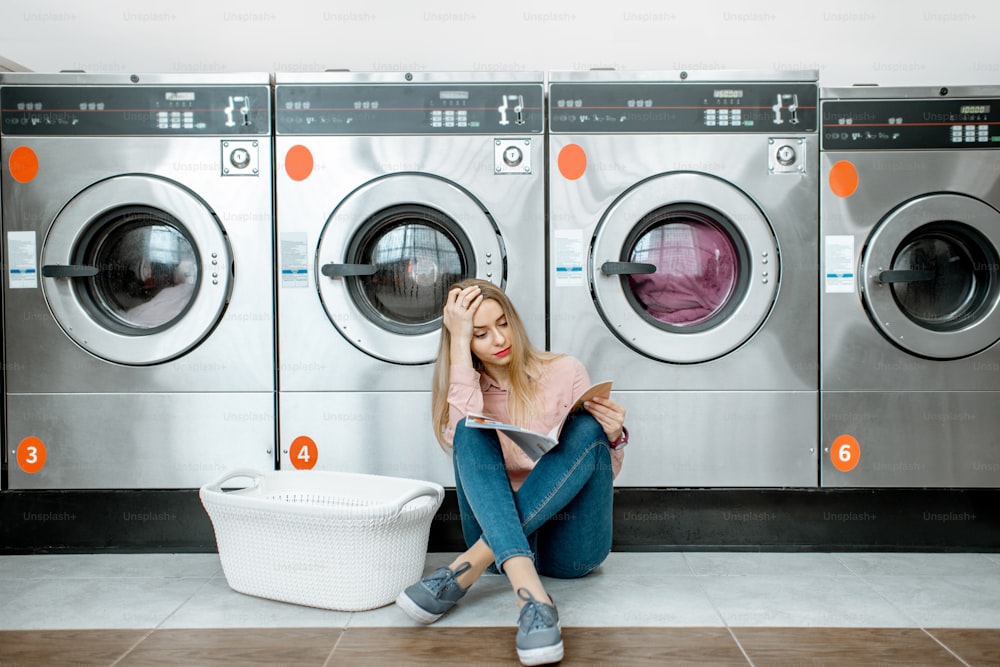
[{"x": 638, "y": 608}]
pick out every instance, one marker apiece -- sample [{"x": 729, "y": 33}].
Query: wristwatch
[{"x": 621, "y": 441}]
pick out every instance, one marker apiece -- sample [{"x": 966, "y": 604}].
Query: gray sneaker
[
  {"x": 539, "y": 641},
  {"x": 427, "y": 600}
]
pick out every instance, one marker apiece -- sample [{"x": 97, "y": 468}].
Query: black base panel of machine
[{"x": 156, "y": 521}]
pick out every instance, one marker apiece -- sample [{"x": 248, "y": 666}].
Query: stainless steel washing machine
[
  {"x": 390, "y": 187},
  {"x": 683, "y": 246},
  {"x": 138, "y": 295},
  {"x": 910, "y": 224}
]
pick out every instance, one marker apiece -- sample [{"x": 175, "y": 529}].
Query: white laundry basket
[{"x": 342, "y": 541}]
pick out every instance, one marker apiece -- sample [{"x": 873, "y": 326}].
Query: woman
[{"x": 550, "y": 517}]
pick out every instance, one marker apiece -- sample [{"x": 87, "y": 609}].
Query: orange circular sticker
[
  {"x": 303, "y": 453},
  {"x": 31, "y": 455},
  {"x": 572, "y": 161},
  {"x": 298, "y": 162},
  {"x": 23, "y": 164},
  {"x": 845, "y": 453},
  {"x": 843, "y": 178}
]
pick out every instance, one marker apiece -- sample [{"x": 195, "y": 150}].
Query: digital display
[
  {"x": 230, "y": 109},
  {"x": 910, "y": 124},
  {"x": 603, "y": 107},
  {"x": 364, "y": 108}
]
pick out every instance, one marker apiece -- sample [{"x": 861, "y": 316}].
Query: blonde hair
[{"x": 525, "y": 365}]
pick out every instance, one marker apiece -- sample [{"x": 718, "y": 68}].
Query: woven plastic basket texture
[{"x": 343, "y": 541}]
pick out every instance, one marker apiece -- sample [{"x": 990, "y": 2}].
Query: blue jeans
[{"x": 561, "y": 514}]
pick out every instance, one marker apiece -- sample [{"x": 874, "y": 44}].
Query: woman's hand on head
[
  {"x": 609, "y": 414},
  {"x": 459, "y": 309}
]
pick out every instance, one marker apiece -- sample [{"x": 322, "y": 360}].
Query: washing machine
[
  {"x": 910, "y": 223},
  {"x": 138, "y": 295},
  {"x": 683, "y": 249},
  {"x": 390, "y": 187},
  {"x": 6, "y": 65}
]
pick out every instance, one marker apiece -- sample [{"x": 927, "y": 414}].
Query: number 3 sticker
[
  {"x": 845, "y": 453},
  {"x": 303, "y": 453},
  {"x": 31, "y": 455}
]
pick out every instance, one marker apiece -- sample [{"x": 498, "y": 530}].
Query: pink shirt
[{"x": 563, "y": 380}]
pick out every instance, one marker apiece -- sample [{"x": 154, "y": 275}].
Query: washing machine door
[
  {"x": 930, "y": 276},
  {"x": 684, "y": 267},
  {"x": 388, "y": 254},
  {"x": 136, "y": 269}
]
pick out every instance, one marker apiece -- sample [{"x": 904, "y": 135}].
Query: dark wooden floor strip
[
  {"x": 651, "y": 646},
  {"x": 841, "y": 646},
  {"x": 495, "y": 646},
  {"x": 628, "y": 646},
  {"x": 46, "y": 648},
  {"x": 975, "y": 646},
  {"x": 426, "y": 646},
  {"x": 255, "y": 646}
]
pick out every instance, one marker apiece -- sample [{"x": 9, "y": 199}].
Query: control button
[
  {"x": 240, "y": 158},
  {"x": 513, "y": 156},
  {"x": 786, "y": 156}
]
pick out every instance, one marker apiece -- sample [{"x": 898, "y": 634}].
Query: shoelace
[
  {"x": 435, "y": 581},
  {"x": 538, "y": 614},
  {"x": 438, "y": 579}
]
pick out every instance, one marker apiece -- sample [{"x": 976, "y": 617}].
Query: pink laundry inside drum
[{"x": 697, "y": 269}]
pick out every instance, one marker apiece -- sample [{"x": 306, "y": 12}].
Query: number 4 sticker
[
  {"x": 845, "y": 453},
  {"x": 303, "y": 453},
  {"x": 31, "y": 455}
]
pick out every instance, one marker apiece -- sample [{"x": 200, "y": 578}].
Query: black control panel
[
  {"x": 911, "y": 124},
  {"x": 600, "y": 107},
  {"x": 409, "y": 109},
  {"x": 139, "y": 111}
]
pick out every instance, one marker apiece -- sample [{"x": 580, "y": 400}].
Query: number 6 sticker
[
  {"x": 31, "y": 455},
  {"x": 303, "y": 453},
  {"x": 845, "y": 453}
]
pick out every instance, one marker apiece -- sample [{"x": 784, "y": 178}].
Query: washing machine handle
[
  {"x": 335, "y": 270},
  {"x": 626, "y": 268},
  {"x": 68, "y": 271},
  {"x": 908, "y": 276}
]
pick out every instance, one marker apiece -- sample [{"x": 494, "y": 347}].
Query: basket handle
[
  {"x": 216, "y": 486},
  {"x": 426, "y": 490}
]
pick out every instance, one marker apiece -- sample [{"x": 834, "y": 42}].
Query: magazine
[{"x": 536, "y": 444}]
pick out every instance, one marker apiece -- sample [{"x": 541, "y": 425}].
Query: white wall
[{"x": 849, "y": 41}]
